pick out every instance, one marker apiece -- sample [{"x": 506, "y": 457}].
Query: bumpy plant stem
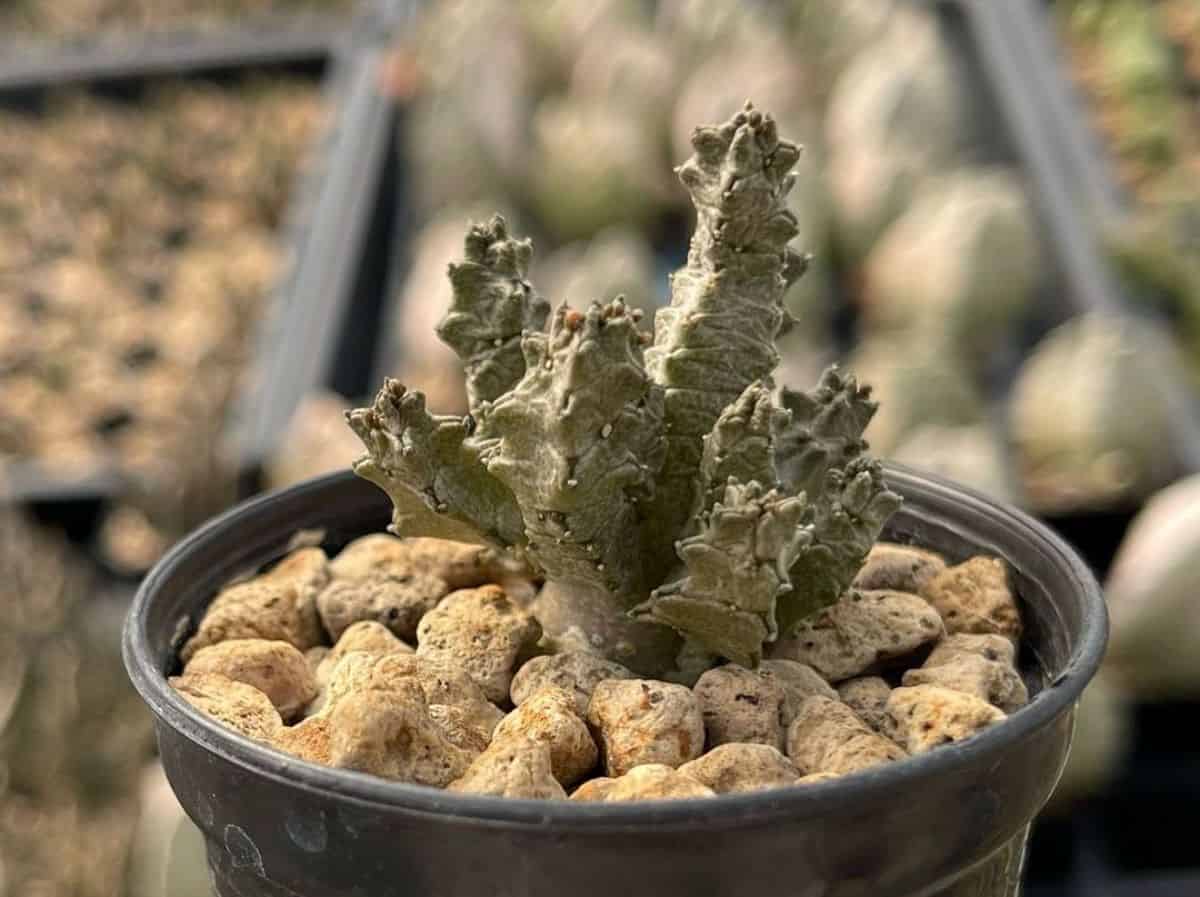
[
  {"x": 718, "y": 335},
  {"x": 493, "y": 305},
  {"x": 737, "y": 567},
  {"x": 663, "y": 496},
  {"x": 436, "y": 482}
]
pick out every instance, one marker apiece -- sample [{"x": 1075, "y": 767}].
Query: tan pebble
[
  {"x": 481, "y": 632},
  {"x": 827, "y": 736},
  {"x": 898, "y": 568},
  {"x": 863, "y": 632},
  {"x": 924, "y": 717},
  {"x": 817, "y": 777},
  {"x": 390, "y": 734},
  {"x": 651, "y": 781},
  {"x": 965, "y": 644},
  {"x": 399, "y": 603},
  {"x": 261, "y": 609},
  {"x": 974, "y": 596},
  {"x": 740, "y": 706},
  {"x": 308, "y": 570},
  {"x": 308, "y": 740},
  {"x": 514, "y": 767},
  {"x": 734, "y": 768},
  {"x": 359, "y": 672},
  {"x": 367, "y": 636},
  {"x": 549, "y": 716},
  {"x": 275, "y": 668},
  {"x": 460, "y": 727},
  {"x": 990, "y": 680},
  {"x": 577, "y": 672},
  {"x": 799, "y": 682},
  {"x": 644, "y": 721},
  {"x": 867, "y": 697},
  {"x": 458, "y": 564},
  {"x": 314, "y": 656},
  {"x": 239, "y": 706}
]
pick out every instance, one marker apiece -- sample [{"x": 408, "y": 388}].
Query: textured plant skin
[
  {"x": 493, "y": 305},
  {"x": 676, "y": 511},
  {"x": 718, "y": 334}
]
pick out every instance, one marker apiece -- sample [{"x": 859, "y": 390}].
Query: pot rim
[{"x": 1055, "y": 698}]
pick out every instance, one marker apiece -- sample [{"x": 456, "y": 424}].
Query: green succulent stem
[{"x": 678, "y": 511}]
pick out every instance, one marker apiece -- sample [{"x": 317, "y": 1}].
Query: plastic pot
[{"x": 950, "y": 822}]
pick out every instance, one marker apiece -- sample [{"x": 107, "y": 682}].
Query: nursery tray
[
  {"x": 1070, "y": 188},
  {"x": 325, "y": 235},
  {"x": 130, "y": 67},
  {"x": 268, "y": 41},
  {"x": 327, "y": 336},
  {"x": 1089, "y": 191}
]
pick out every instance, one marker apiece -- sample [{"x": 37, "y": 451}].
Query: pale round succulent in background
[
  {"x": 896, "y": 115},
  {"x": 1151, "y": 593},
  {"x": 558, "y": 31},
  {"x": 696, "y": 29},
  {"x": 593, "y": 166},
  {"x": 917, "y": 384},
  {"x": 616, "y": 262},
  {"x": 626, "y": 64},
  {"x": 469, "y": 117},
  {"x": 831, "y": 33},
  {"x": 1103, "y": 737},
  {"x": 964, "y": 257},
  {"x": 973, "y": 455},
  {"x": 316, "y": 441},
  {"x": 1090, "y": 420}
]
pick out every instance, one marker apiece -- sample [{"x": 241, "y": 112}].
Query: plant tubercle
[{"x": 678, "y": 507}]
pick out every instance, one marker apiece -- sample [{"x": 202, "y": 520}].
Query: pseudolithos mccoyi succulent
[{"x": 657, "y": 485}]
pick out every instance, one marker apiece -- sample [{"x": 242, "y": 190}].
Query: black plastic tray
[
  {"x": 327, "y": 335},
  {"x": 1089, "y": 191},
  {"x": 328, "y": 233}
]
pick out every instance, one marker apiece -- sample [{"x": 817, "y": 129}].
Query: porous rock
[
  {"x": 898, "y": 568},
  {"x": 828, "y": 737},
  {"x": 239, "y": 706},
  {"x": 644, "y": 721},
  {"x": 513, "y": 767},
  {"x": 734, "y": 768},
  {"x": 923, "y": 717},
  {"x": 575, "y": 671},
  {"x": 650, "y": 781},
  {"x": 863, "y": 632},
  {"x": 275, "y": 668},
  {"x": 389, "y": 733},
  {"x": 397, "y": 602},
  {"x": 974, "y": 596},
  {"x": 799, "y": 682},
  {"x": 549, "y": 716},
  {"x": 741, "y": 705},
  {"x": 482, "y": 632},
  {"x": 271, "y": 609},
  {"x": 867, "y": 697}
]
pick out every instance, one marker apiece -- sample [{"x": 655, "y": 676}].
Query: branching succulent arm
[
  {"x": 493, "y": 304},
  {"x": 662, "y": 496},
  {"x": 718, "y": 335},
  {"x": 578, "y": 441}
]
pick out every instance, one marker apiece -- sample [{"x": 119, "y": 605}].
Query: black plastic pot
[{"x": 951, "y": 822}]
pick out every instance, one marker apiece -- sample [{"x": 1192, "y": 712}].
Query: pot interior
[{"x": 1064, "y": 618}]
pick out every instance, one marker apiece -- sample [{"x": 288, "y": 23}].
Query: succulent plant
[
  {"x": 962, "y": 259},
  {"x": 665, "y": 495},
  {"x": 1091, "y": 421}
]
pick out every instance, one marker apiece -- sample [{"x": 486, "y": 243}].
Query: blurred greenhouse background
[{"x": 218, "y": 214}]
